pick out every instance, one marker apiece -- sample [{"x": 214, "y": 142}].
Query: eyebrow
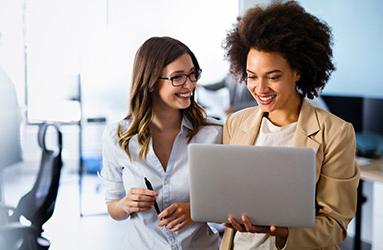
[
  {"x": 181, "y": 71},
  {"x": 267, "y": 73}
]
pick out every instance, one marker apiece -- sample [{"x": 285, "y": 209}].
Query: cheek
[
  {"x": 285, "y": 90},
  {"x": 165, "y": 92},
  {"x": 251, "y": 89}
]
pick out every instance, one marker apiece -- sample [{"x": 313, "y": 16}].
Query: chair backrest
[{"x": 38, "y": 204}]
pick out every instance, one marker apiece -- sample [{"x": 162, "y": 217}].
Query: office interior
[{"x": 70, "y": 62}]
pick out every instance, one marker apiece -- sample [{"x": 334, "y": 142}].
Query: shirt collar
[{"x": 186, "y": 123}]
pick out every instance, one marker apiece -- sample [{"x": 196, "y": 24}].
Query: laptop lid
[{"x": 272, "y": 185}]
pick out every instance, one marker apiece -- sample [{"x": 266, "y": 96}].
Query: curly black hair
[{"x": 286, "y": 28}]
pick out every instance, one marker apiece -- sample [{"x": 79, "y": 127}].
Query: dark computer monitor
[
  {"x": 349, "y": 108},
  {"x": 373, "y": 116},
  {"x": 366, "y": 115}
]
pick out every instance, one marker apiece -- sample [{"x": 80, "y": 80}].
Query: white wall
[
  {"x": 99, "y": 38},
  {"x": 358, "y": 49},
  {"x": 11, "y": 43}
]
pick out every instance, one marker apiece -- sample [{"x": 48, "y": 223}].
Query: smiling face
[
  {"x": 165, "y": 95},
  {"x": 272, "y": 82}
]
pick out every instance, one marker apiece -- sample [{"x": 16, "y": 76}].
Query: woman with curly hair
[
  {"x": 284, "y": 54},
  {"x": 151, "y": 144}
]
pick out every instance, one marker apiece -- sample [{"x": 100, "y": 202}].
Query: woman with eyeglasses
[
  {"x": 148, "y": 150},
  {"x": 284, "y": 54}
]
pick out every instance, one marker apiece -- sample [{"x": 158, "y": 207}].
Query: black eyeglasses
[{"x": 180, "y": 79}]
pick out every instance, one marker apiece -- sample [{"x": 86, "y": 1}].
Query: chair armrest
[
  {"x": 5, "y": 212},
  {"x": 13, "y": 234},
  {"x": 4, "y": 207},
  {"x": 15, "y": 227}
]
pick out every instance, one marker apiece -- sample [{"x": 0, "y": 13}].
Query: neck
[
  {"x": 165, "y": 121},
  {"x": 287, "y": 115}
]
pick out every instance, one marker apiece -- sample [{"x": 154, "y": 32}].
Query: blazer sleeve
[{"x": 336, "y": 194}]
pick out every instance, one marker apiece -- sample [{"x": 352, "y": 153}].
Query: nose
[
  {"x": 189, "y": 84},
  {"x": 262, "y": 85}
]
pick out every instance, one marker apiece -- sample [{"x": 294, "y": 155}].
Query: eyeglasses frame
[{"x": 170, "y": 78}]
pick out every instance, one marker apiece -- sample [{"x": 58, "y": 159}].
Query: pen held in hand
[{"x": 150, "y": 187}]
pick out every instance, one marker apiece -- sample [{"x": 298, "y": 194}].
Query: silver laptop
[{"x": 272, "y": 185}]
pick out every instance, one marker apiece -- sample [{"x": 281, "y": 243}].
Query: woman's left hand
[
  {"x": 246, "y": 226},
  {"x": 176, "y": 216}
]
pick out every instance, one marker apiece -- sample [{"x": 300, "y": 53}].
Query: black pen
[{"x": 149, "y": 186}]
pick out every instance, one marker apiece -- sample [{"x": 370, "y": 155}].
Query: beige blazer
[{"x": 337, "y": 174}]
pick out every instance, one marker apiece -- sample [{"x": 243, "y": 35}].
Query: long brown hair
[{"x": 155, "y": 54}]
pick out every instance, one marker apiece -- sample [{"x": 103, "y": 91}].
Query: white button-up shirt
[{"x": 119, "y": 174}]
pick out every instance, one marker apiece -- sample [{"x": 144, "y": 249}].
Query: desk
[{"x": 369, "y": 171}]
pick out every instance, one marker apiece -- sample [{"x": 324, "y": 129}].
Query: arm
[
  {"x": 120, "y": 204},
  {"x": 116, "y": 211},
  {"x": 335, "y": 197}
]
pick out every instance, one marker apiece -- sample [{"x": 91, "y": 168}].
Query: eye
[
  {"x": 177, "y": 78},
  {"x": 274, "y": 78}
]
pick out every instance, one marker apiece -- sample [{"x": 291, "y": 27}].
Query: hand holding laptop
[{"x": 247, "y": 226}]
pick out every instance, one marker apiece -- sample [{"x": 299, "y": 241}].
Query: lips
[
  {"x": 266, "y": 99},
  {"x": 184, "y": 95}
]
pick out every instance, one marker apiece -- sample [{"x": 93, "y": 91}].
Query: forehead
[
  {"x": 183, "y": 63},
  {"x": 261, "y": 61}
]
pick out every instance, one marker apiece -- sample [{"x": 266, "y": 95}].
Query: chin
[
  {"x": 267, "y": 108},
  {"x": 184, "y": 105}
]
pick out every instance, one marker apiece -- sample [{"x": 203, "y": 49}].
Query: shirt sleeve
[
  {"x": 111, "y": 172},
  {"x": 210, "y": 134}
]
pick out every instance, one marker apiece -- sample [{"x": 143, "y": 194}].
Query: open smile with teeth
[
  {"x": 266, "y": 99},
  {"x": 184, "y": 95}
]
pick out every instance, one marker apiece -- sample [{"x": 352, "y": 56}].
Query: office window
[
  {"x": 98, "y": 39},
  {"x": 358, "y": 49}
]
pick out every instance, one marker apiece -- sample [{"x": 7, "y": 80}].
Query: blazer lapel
[
  {"x": 250, "y": 128},
  {"x": 307, "y": 125}
]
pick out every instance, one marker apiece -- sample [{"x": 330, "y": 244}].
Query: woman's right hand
[{"x": 137, "y": 200}]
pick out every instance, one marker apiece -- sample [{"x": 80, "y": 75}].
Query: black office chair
[{"x": 37, "y": 205}]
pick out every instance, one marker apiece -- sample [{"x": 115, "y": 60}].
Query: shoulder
[
  {"x": 237, "y": 118},
  {"x": 245, "y": 113},
  {"x": 313, "y": 119},
  {"x": 112, "y": 129},
  {"x": 211, "y": 126},
  {"x": 210, "y": 133},
  {"x": 330, "y": 122}
]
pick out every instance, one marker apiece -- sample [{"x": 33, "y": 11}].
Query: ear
[{"x": 297, "y": 76}]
